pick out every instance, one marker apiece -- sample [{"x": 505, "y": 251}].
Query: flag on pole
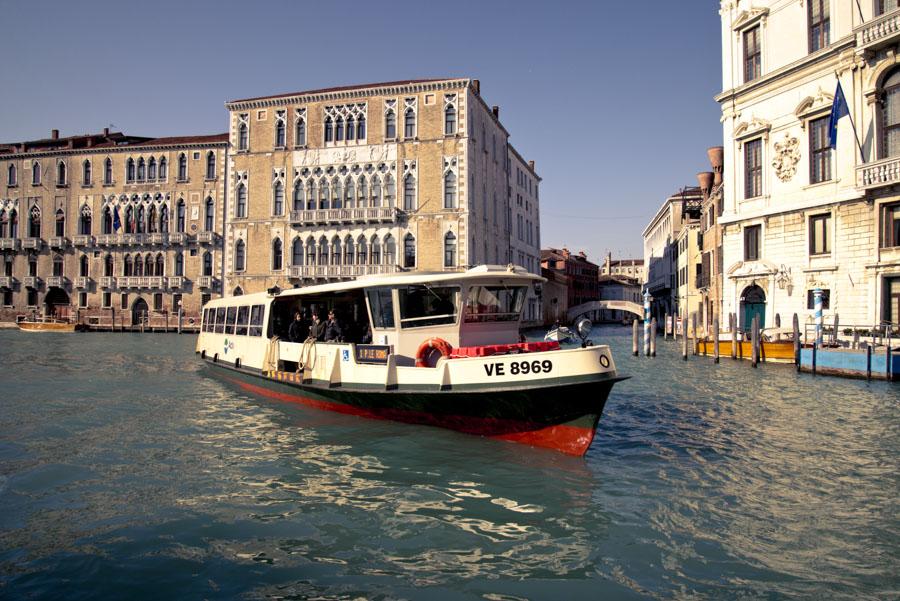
[
  {"x": 116, "y": 223},
  {"x": 839, "y": 109}
]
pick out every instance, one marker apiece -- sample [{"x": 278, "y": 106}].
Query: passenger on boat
[
  {"x": 317, "y": 330},
  {"x": 299, "y": 329},
  {"x": 333, "y": 331},
  {"x": 366, "y": 337}
]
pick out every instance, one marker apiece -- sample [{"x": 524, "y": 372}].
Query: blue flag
[
  {"x": 839, "y": 109},
  {"x": 116, "y": 223}
]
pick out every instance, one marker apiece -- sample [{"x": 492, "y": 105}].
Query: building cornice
[{"x": 113, "y": 149}]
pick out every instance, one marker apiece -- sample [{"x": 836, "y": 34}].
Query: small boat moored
[
  {"x": 439, "y": 349},
  {"x": 46, "y": 324}
]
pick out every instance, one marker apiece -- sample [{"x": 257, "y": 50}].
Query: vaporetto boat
[{"x": 440, "y": 349}]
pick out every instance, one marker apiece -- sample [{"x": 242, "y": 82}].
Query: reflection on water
[{"x": 122, "y": 460}]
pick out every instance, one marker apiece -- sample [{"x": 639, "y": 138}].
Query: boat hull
[
  {"x": 30, "y": 326},
  {"x": 562, "y": 416}
]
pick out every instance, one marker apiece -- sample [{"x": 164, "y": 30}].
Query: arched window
[
  {"x": 109, "y": 266},
  {"x": 376, "y": 251},
  {"x": 209, "y": 214},
  {"x": 129, "y": 220},
  {"x": 279, "y": 133},
  {"x": 450, "y": 120},
  {"x": 179, "y": 264},
  {"x": 323, "y": 251},
  {"x": 339, "y": 130},
  {"x": 84, "y": 222},
  {"x": 337, "y": 197},
  {"x": 164, "y": 219},
  {"x": 107, "y": 171},
  {"x": 107, "y": 226},
  {"x": 34, "y": 223},
  {"x": 409, "y": 123},
  {"x": 336, "y": 251},
  {"x": 361, "y": 251},
  {"x": 278, "y": 198},
  {"x": 240, "y": 209},
  {"x": 140, "y": 223},
  {"x": 161, "y": 264},
  {"x": 409, "y": 251},
  {"x": 141, "y": 169},
  {"x": 36, "y": 174},
  {"x": 390, "y": 125},
  {"x": 180, "y": 217},
  {"x": 361, "y": 128},
  {"x": 389, "y": 190},
  {"x": 277, "y": 255},
  {"x": 163, "y": 168},
  {"x": 4, "y": 223},
  {"x": 349, "y": 194},
  {"x": 376, "y": 191},
  {"x": 151, "y": 169},
  {"x": 138, "y": 265},
  {"x": 310, "y": 195},
  {"x": 243, "y": 137},
  {"x": 310, "y": 252},
  {"x": 238, "y": 291},
  {"x": 11, "y": 175},
  {"x": 300, "y": 132},
  {"x": 61, "y": 175},
  {"x": 148, "y": 264},
  {"x": 450, "y": 190},
  {"x": 151, "y": 219},
  {"x": 210, "y": 165},
  {"x": 58, "y": 265},
  {"x": 299, "y": 198},
  {"x": 129, "y": 170},
  {"x": 239, "y": 257},
  {"x": 390, "y": 250},
  {"x": 182, "y": 167},
  {"x": 207, "y": 263},
  {"x": 349, "y": 250},
  {"x": 13, "y": 224},
  {"x": 409, "y": 193},
  {"x": 86, "y": 173},
  {"x": 329, "y": 130},
  {"x": 84, "y": 266},
  {"x": 324, "y": 202},
  {"x": 450, "y": 250},
  {"x": 297, "y": 251},
  {"x": 127, "y": 268},
  {"x": 351, "y": 128},
  {"x": 363, "y": 193},
  {"x": 60, "y": 223},
  {"x": 890, "y": 121}
]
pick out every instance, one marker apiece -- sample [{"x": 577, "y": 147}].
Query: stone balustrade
[
  {"x": 83, "y": 240},
  {"x": 885, "y": 172},
  {"x": 881, "y": 31},
  {"x": 10, "y": 243},
  {"x": 337, "y": 272},
  {"x": 82, "y": 282},
  {"x": 32, "y": 243},
  {"x": 355, "y": 215}
]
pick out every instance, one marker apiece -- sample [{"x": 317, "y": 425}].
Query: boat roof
[{"x": 482, "y": 272}]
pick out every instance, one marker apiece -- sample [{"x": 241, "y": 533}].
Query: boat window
[
  {"x": 256, "y": 320},
  {"x": 422, "y": 306},
  {"x": 382, "y": 305},
  {"x": 229, "y": 321},
  {"x": 220, "y": 320},
  {"x": 243, "y": 316},
  {"x": 494, "y": 303},
  {"x": 203, "y": 319}
]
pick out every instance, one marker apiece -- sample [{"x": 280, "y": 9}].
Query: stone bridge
[{"x": 614, "y": 305}]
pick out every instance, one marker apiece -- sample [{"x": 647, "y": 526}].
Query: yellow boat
[
  {"x": 47, "y": 325},
  {"x": 779, "y": 351}
]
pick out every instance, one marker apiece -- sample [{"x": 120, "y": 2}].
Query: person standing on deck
[
  {"x": 333, "y": 331},
  {"x": 317, "y": 330}
]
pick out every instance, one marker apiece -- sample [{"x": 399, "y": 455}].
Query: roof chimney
[
  {"x": 476, "y": 85},
  {"x": 54, "y": 134},
  {"x": 106, "y": 131},
  {"x": 705, "y": 180},
  {"x": 90, "y": 142},
  {"x": 531, "y": 165},
  {"x": 716, "y": 156},
  {"x": 496, "y": 110}
]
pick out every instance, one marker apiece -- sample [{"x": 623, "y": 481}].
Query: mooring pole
[
  {"x": 653, "y": 337},
  {"x": 754, "y": 339},
  {"x": 887, "y": 354},
  {"x": 694, "y": 333},
  {"x": 732, "y": 327},
  {"x": 666, "y": 327},
  {"x": 180, "y": 319},
  {"x": 817, "y": 304},
  {"x": 797, "y": 341},
  {"x": 815, "y": 350},
  {"x": 868, "y": 362},
  {"x": 684, "y": 337},
  {"x": 634, "y": 338},
  {"x": 834, "y": 333},
  {"x": 716, "y": 339},
  {"x": 646, "y": 323}
]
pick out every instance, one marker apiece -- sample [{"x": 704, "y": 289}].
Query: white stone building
[
  {"x": 797, "y": 214},
  {"x": 524, "y": 221}
]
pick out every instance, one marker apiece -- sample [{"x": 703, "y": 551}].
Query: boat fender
[{"x": 432, "y": 343}]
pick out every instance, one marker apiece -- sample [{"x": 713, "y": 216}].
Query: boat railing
[
  {"x": 25, "y": 318},
  {"x": 853, "y": 335}
]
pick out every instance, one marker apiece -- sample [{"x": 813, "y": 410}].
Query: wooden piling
[
  {"x": 666, "y": 327},
  {"x": 868, "y": 362},
  {"x": 796, "y": 336},
  {"x": 716, "y": 339},
  {"x": 634, "y": 338},
  {"x": 834, "y": 332},
  {"x": 887, "y": 356},
  {"x": 778, "y": 320},
  {"x": 732, "y": 327},
  {"x": 855, "y": 344},
  {"x": 754, "y": 341},
  {"x": 684, "y": 338},
  {"x": 815, "y": 350},
  {"x": 180, "y": 319},
  {"x": 653, "y": 337},
  {"x": 694, "y": 333}
]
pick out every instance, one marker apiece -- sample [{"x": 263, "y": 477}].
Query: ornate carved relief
[{"x": 787, "y": 155}]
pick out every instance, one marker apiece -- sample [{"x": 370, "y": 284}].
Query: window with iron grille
[
  {"x": 753, "y": 168},
  {"x": 751, "y": 242},
  {"x": 819, "y": 151},
  {"x": 752, "y": 54}
]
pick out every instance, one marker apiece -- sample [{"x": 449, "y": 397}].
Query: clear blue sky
[{"x": 613, "y": 103}]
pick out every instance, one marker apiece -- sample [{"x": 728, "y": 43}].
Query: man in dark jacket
[
  {"x": 333, "y": 331},
  {"x": 298, "y": 330},
  {"x": 317, "y": 330}
]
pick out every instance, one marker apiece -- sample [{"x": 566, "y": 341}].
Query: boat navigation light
[{"x": 583, "y": 327}]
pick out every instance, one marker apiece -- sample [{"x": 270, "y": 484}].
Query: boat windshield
[
  {"x": 494, "y": 303},
  {"x": 422, "y": 306}
]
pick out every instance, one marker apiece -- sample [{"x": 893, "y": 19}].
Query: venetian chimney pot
[
  {"x": 705, "y": 179},
  {"x": 496, "y": 110},
  {"x": 531, "y": 165},
  {"x": 54, "y": 134},
  {"x": 476, "y": 85},
  {"x": 105, "y": 131},
  {"x": 716, "y": 156}
]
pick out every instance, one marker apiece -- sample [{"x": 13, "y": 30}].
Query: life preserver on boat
[{"x": 438, "y": 344}]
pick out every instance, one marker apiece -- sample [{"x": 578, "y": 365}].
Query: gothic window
[
  {"x": 127, "y": 268},
  {"x": 60, "y": 223},
  {"x": 363, "y": 193},
  {"x": 324, "y": 201},
  {"x": 376, "y": 251},
  {"x": 310, "y": 195},
  {"x": 61, "y": 175},
  {"x": 207, "y": 263},
  {"x": 182, "y": 167},
  {"x": 361, "y": 254},
  {"x": 109, "y": 266},
  {"x": 409, "y": 193},
  {"x": 11, "y": 179},
  {"x": 339, "y": 130},
  {"x": 349, "y": 250},
  {"x": 13, "y": 224},
  {"x": 210, "y": 165},
  {"x": 376, "y": 191},
  {"x": 329, "y": 129},
  {"x": 310, "y": 252},
  {"x": 351, "y": 128},
  {"x": 349, "y": 194},
  {"x": 129, "y": 220},
  {"x": 164, "y": 219},
  {"x": 389, "y": 190},
  {"x": 107, "y": 226},
  {"x": 139, "y": 223},
  {"x": 180, "y": 216},
  {"x": 151, "y": 169},
  {"x": 243, "y": 132},
  {"x": 409, "y": 123},
  {"x": 336, "y": 195},
  {"x": 240, "y": 209},
  {"x": 390, "y": 125},
  {"x": 279, "y": 129},
  {"x": 323, "y": 251},
  {"x": 450, "y": 114},
  {"x": 276, "y": 255},
  {"x": 278, "y": 198},
  {"x": 160, "y": 264},
  {"x": 300, "y": 128},
  {"x": 450, "y": 190},
  {"x": 179, "y": 264},
  {"x": 239, "y": 257},
  {"x": 36, "y": 174},
  {"x": 34, "y": 223},
  {"x": 361, "y": 128},
  {"x": 298, "y": 199},
  {"x": 163, "y": 168},
  {"x": 450, "y": 250},
  {"x": 107, "y": 171},
  {"x": 297, "y": 252},
  {"x": 390, "y": 250},
  {"x": 86, "y": 173},
  {"x": 409, "y": 251},
  {"x": 141, "y": 170},
  {"x": 336, "y": 251},
  {"x": 148, "y": 264},
  {"x": 209, "y": 217}
]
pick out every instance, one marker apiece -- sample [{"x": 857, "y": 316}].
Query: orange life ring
[{"x": 432, "y": 343}]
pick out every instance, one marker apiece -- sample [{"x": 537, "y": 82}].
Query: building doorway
[
  {"x": 753, "y": 303},
  {"x": 890, "y": 311},
  {"x": 139, "y": 312},
  {"x": 56, "y": 303}
]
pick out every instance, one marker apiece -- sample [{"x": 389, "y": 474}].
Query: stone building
[
  {"x": 581, "y": 274},
  {"x": 342, "y": 182},
  {"x": 111, "y": 225},
  {"x": 619, "y": 287},
  {"x": 629, "y": 268},
  {"x": 525, "y": 234},
  {"x": 799, "y": 214},
  {"x": 709, "y": 280}
]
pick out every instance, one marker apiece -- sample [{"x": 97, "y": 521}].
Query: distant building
[
  {"x": 619, "y": 287},
  {"x": 525, "y": 237},
  {"x": 710, "y": 280},
  {"x": 630, "y": 268},
  {"x": 555, "y": 296},
  {"x": 581, "y": 273}
]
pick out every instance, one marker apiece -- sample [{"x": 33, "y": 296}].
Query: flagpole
[{"x": 862, "y": 155}]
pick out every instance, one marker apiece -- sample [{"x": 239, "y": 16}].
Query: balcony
[
  {"x": 158, "y": 238},
  {"x": 149, "y": 282},
  {"x": 178, "y": 238},
  {"x": 878, "y": 33},
  {"x": 83, "y": 240},
  {"x": 207, "y": 237},
  {"x": 207, "y": 282},
  {"x": 107, "y": 282},
  {"x": 7, "y": 281},
  {"x": 360, "y": 215},
  {"x": 31, "y": 281},
  {"x": 32, "y": 243},
  {"x": 108, "y": 240},
  {"x": 338, "y": 272},
  {"x": 59, "y": 242},
  {"x": 57, "y": 281},
  {"x": 880, "y": 173},
  {"x": 175, "y": 282},
  {"x": 10, "y": 243},
  {"x": 83, "y": 282},
  {"x": 135, "y": 239}
]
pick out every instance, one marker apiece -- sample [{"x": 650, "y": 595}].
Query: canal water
[{"x": 127, "y": 472}]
